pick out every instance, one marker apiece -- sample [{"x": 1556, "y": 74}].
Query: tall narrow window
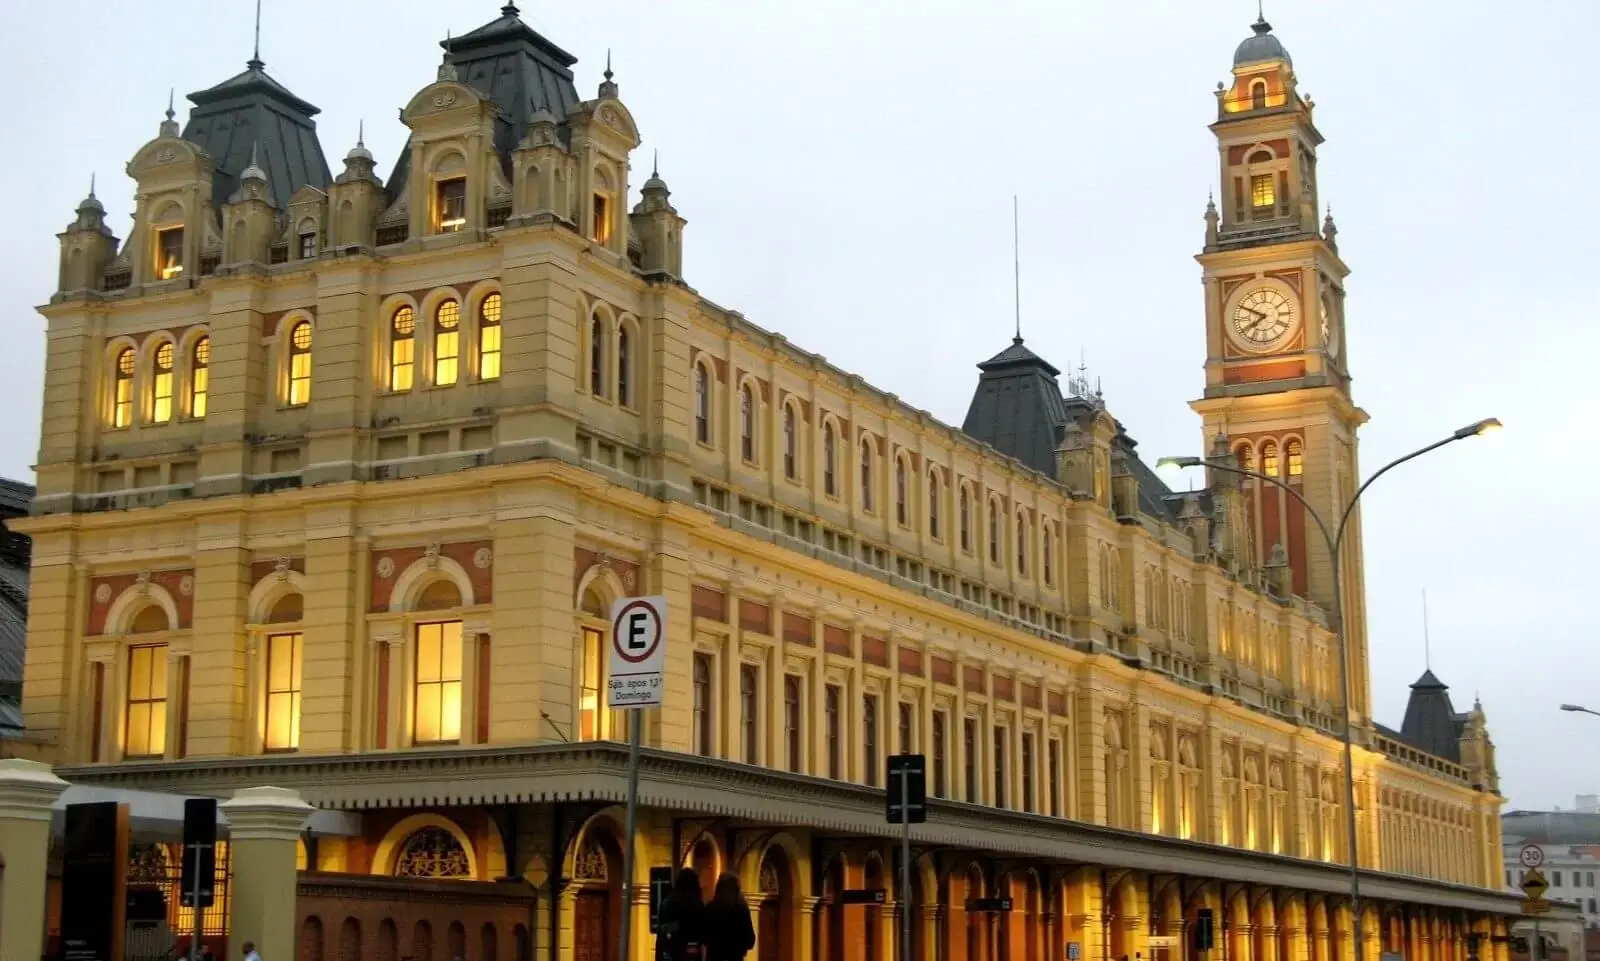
[
  {"x": 969, "y": 757},
  {"x": 750, "y": 712},
  {"x": 199, "y": 376},
  {"x": 169, "y": 252},
  {"x": 792, "y": 719},
  {"x": 1047, "y": 560},
  {"x": 903, "y": 728},
  {"x": 147, "y": 701},
  {"x": 300, "y": 364},
  {"x": 446, "y": 343},
  {"x": 1269, "y": 458},
  {"x": 1022, "y": 546},
  {"x": 869, "y": 738},
  {"x": 866, "y": 473},
  {"x": 602, "y": 219},
  {"x": 402, "y": 348},
  {"x": 161, "y": 383},
  {"x": 994, "y": 533},
  {"x": 450, "y": 204},
  {"x": 702, "y": 704},
  {"x": 1002, "y": 744},
  {"x": 122, "y": 389},
  {"x": 940, "y": 754},
  {"x": 1263, "y": 196},
  {"x": 1294, "y": 452},
  {"x": 284, "y": 653},
  {"x": 489, "y": 338},
  {"x": 308, "y": 245},
  {"x": 624, "y": 367},
  {"x": 747, "y": 424},
  {"x": 964, "y": 508},
  {"x": 829, "y": 454},
  {"x": 1246, "y": 456},
  {"x": 901, "y": 510},
  {"x": 1027, "y": 771},
  {"x": 436, "y": 717},
  {"x": 1054, "y": 786},
  {"x": 590, "y": 681},
  {"x": 790, "y": 468},
  {"x": 830, "y": 717},
  {"x": 1258, "y": 95},
  {"x": 934, "y": 497},
  {"x": 597, "y": 358},
  {"x": 702, "y": 404}
]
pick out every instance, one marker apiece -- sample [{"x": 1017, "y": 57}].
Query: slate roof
[
  {"x": 1431, "y": 722},
  {"x": 519, "y": 70},
  {"x": 15, "y": 556},
  {"x": 249, "y": 112}
]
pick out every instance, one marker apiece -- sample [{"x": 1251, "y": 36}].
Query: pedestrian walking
[
  {"x": 729, "y": 932},
  {"x": 681, "y": 928}
]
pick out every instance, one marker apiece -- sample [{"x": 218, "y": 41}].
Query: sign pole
[
  {"x": 905, "y": 864},
  {"x": 634, "y": 680},
  {"x": 194, "y": 944},
  {"x": 625, "y": 932}
]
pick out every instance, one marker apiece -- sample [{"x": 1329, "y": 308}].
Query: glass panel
[
  {"x": 428, "y": 701},
  {"x": 489, "y": 366},
  {"x": 450, "y": 653}
]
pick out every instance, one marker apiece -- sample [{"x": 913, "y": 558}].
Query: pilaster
[
  {"x": 220, "y": 667},
  {"x": 328, "y": 627},
  {"x": 533, "y": 589},
  {"x": 56, "y": 595},
  {"x": 264, "y": 828},
  {"x": 27, "y": 791}
]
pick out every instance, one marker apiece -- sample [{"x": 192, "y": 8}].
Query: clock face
[{"x": 1262, "y": 318}]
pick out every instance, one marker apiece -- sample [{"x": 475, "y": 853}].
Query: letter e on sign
[{"x": 637, "y": 653}]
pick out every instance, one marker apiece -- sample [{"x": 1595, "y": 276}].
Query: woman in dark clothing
[
  {"x": 681, "y": 928},
  {"x": 730, "y": 935}
]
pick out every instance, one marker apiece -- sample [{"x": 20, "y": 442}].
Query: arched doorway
[
  {"x": 832, "y": 913},
  {"x": 775, "y": 913},
  {"x": 597, "y": 901}
]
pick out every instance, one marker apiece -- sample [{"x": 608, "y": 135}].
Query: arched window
[
  {"x": 829, "y": 456},
  {"x": 901, "y": 494},
  {"x": 1245, "y": 456},
  {"x": 161, "y": 384},
  {"x": 790, "y": 467},
  {"x": 866, "y": 473},
  {"x": 597, "y": 357},
  {"x": 1295, "y": 454},
  {"x": 1269, "y": 458},
  {"x": 446, "y": 343},
  {"x": 994, "y": 533},
  {"x": 702, "y": 404},
  {"x": 624, "y": 367},
  {"x": 933, "y": 503},
  {"x": 964, "y": 508},
  {"x": 747, "y": 424},
  {"x": 489, "y": 338},
  {"x": 199, "y": 376},
  {"x": 122, "y": 389},
  {"x": 300, "y": 363},
  {"x": 1047, "y": 555},
  {"x": 1258, "y": 95},
  {"x": 432, "y": 852},
  {"x": 402, "y": 347},
  {"x": 1022, "y": 545}
]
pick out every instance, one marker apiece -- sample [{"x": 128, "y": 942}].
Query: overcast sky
[{"x": 847, "y": 169}]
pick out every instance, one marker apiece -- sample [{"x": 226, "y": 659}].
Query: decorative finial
[
  {"x": 655, "y": 163},
  {"x": 509, "y": 10},
  {"x": 169, "y": 126},
  {"x": 170, "y": 112},
  {"x": 255, "y": 56},
  {"x": 608, "y": 74},
  {"x": 91, "y": 185},
  {"x": 447, "y": 67},
  {"x": 361, "y": 132}
]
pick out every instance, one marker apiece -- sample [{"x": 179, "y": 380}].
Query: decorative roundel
[
  {"x": 102, "y": 593},
  {"x": 385, "y": 567},
  {"x": 186, "y": 585},
  {"x": 482, "y": 558}
]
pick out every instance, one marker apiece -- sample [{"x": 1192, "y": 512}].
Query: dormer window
[
  {"x": 308, "y": 245},
  {"x": 450, "y": 204},
  {"x": 1258, "y": 95},
  {"x": 1263, "y": 196},
  {"x": 602, "y": 219},
  {"x": 169, "y": 252}
]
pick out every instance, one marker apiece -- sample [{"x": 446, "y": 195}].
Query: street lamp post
[
  {"x": 1334, "y": 540},
  {"x": 1579, "y": 709}
]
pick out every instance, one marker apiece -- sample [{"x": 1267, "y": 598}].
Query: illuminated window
[
  {"x": 402, "y": 348},
  {"x": 199, "y": 377},
  {"x": 147, "y": 701},
  {"x": 829, "y": 459},
  {"x": 284, "y": 654},
  {"x": 869, "y": 738},
  {"x": 624, "y": 363},
  {"x": 934, "y": 497},
  {"x": 866, "y": 473},
  {"x": 446, "y": 343},
  {"x": 300, "y": 363},
  {"x": 750, "y": 712},
  {"x": 489, "y": 338},
  {"x": 169, "y": 252},
  {"x": 308, "y": 246},
  {"x": 450, "y": 204},
  {"x": 702, "y": 705},
  {"x": 1263, "y": 196},
  {"x": 1269, "y": 459},
  {"x": 792, "y": 720},
  {"x": 790, "y": 458},
  {"x": 994, "y": 533},
  {"x": 702, "y": 404},
  {"x": 437, "y": 708},
  {"x": 965, "y": 510},
  {"x": 747, "y": 424},
  {"x": 597, "y": 358},
  {"x": 589, "y": 689},
  {"x": 832, "y": 729},
  {"x": 161, "y": 384},
  {"x": 1295, "y": 455},
  {"x": 122, "y": 390},
  {"x": 433, "y": 853},
  {"x": 602, "y": 219},
  {"x": 1258, "y": 95},
  {"x": 900, "y": 492}
]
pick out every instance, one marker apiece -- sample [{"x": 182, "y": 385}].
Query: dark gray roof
[
  {"x": 1432, "y": 723},
  {"x": 519, "y": 70},
  {"x": 252, "y": 112},
  {"x": 15, "y": 557},
  {"x": 1261, "y": 45},
  {"x": 1551, "y": 827}
]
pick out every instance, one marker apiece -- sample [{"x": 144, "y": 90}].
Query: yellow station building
[{"x": 340, "y": 477}]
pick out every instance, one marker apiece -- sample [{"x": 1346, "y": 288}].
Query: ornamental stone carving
[
  {"x": 281, "y": 568},
  {"x": 385, "y": 568},
  {"x": 430, "y": 556},
  {"x": 102, "y": 593},
  {"x": 186, "y": 585},
  {"x": 141, "y": 583},
  {"x": 482, "y": 558}
]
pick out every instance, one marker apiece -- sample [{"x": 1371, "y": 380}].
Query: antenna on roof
[
  {"x": 1427, "y": 645},
  {"x": 1016, "y": 269},
  {"x": 255, "y": 56}
]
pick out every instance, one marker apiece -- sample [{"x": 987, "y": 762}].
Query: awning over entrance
[{"x": 156, "y": 816}]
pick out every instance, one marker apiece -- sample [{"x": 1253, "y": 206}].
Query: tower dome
[{"x": 1260, "y": 45}]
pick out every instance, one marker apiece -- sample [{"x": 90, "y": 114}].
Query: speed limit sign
[{"x": 1531, "y": 856}]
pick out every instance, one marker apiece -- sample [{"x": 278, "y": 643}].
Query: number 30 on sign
[{"x": 638, "y": 652}]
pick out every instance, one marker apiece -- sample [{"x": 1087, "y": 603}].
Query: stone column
[
  {"x": 27, "y": 790},
  {"x": 264, "y": 826},
  {"x": 806, "y": 926}
]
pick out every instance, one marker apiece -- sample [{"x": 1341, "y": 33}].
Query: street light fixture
[
  {"x": 1334, "y": 540},
  {"x": 1579, "y": 709}
]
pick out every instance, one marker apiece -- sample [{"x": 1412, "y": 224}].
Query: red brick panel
[
  {"x": 972, "y": 678},
  {"x": 1030, "y": 696},
  {"x": 875, "y": 650},
  {"x": 754, "y": 616},
  {"x": 911, "y": 661},
  {"x": 944, "y": 671},
  {"x": 464, "y": 553},
  {"x": 709, "y": 603},
  {"x": 1003, "y": 689},
  {"x": 797, "y": 628},
  {"x": 836, "y": 640},
  {"x": 116, "y": 584}
]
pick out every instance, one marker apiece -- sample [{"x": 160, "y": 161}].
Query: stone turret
[
  {"x": 659, "y": 228},
  {"x": 87, "y": 246},
  {"x": 355, "y": 198},
  {"x": 249, "y": 218}
]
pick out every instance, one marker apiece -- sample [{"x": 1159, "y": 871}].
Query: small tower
[
  {"x": 355, "y": 199},
  {"x": 250, "y": 217},
  {"x": 659, "y": 228},
  {"x": 603, "y": 136},
  {"x": 87, "y": 246},
  {"x": 543, "y": 172},
  {"x": 173, "y": 217},
  {"x": 1124, "y": 485}
]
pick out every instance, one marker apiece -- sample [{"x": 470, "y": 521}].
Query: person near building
[
  {"x": 682, "y": 926},
  {"x": 729, "y": 932}
]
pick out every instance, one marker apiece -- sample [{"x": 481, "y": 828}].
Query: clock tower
[{"x": 1277, "y": 386}]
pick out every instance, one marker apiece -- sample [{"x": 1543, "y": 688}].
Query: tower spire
[
  {"x": 255, "y": 54},
  {"x": 655, "y": 162},
  {"x": 91, "y": 183},
  {"x": 1016, "y": 271},
  {"x": 169, "y": 126}
]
